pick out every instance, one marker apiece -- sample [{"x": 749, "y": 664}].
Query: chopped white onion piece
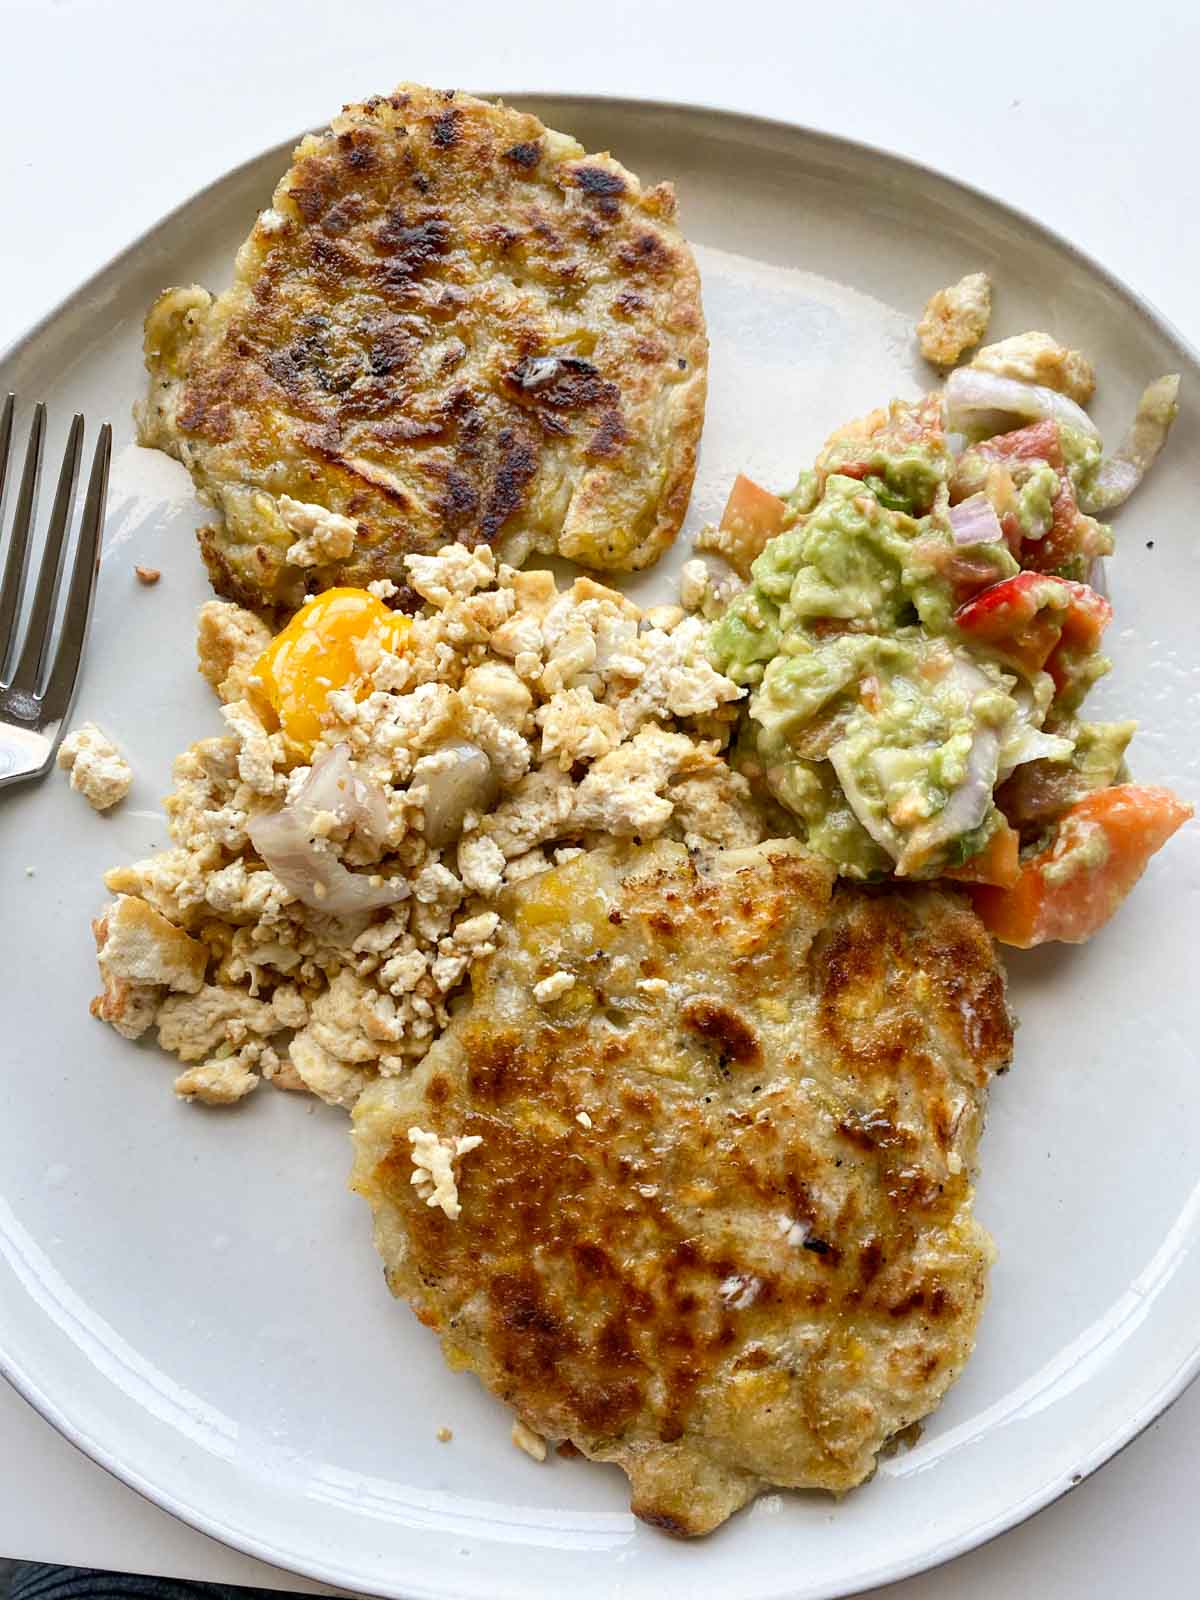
[
  {"x": 1117, "y": 477},
  {"x": 981, "y": 403},
  {"x": 1097, "y": 577},
  {"x": 1114, "y": 482},
  {"x": 1031, "y": 744}
]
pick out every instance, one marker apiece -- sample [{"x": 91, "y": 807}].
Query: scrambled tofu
[
  {"x": 141, "y": 956},
  {"x": 217, "y": 1083},
  {"x": 702, "y": 593},
  {"x": 322, "y": 536},
  {"x": 99, "y": 772},
  {"x": 433, "y": 1161},
  {"x": 337, "y": 864},
  {"x": 229, "y": 640},
  {"x": 955, "y": 319}
]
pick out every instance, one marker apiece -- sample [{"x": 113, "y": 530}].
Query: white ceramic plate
[{"x": 193, "y": 1297}]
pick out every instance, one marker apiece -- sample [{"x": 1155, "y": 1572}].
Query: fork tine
[
  {"x": 60, "y": 691},
  {"x": 13, "y": 582},
  {"x": 41, "y": 618},
  {"x": 6, "y": 422}
]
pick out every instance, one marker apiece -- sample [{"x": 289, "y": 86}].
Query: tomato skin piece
[
  {"x": 1038, "y": 442},
  {"x": 1011, "y": 915},
  {"x": 1132, "y": 820},
  {"x": 752, "y": 511},
  {"x": 998, "y": 863}
]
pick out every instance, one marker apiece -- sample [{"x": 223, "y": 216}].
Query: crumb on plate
[
  {"x": 99, "y": 772},
  {"x": 955, "y": 319},
  {"x": 217, "y": 1083},
  {"x": 526, "y": 1439}
]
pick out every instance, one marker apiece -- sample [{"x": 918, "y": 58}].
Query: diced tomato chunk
[
  {"x": 752, "y": 514},
  {"x": 1066, "y": 539},
  {"x": 966, "y": 568},
  {"x": 999, "y": 862},
  {"x": 968, "y": 571},
  {"x": 1071, "y": 889},
  {"x": 1038, "y": 622},
  {"x": 1070, "y": 534},
  {"x": 1083, "y": 625}
]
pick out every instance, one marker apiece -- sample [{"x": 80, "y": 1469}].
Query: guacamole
[{"x": 904, "y": 650}]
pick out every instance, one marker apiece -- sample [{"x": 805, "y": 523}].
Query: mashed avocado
[
  {"x": 884, "y": 712},
  {"x": 811, "y": 791},
  {"x": 853, "y": 561},
  {"x": 898, "y": 455},
  {"x": 1084, "y": 847},
  {"x": 1035, "y": 502},
  {"x": 1081, "y": 454}
]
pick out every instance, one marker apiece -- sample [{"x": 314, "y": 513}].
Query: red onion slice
[
  {"x": 974, "y": 521},
  {"x": 963, "y": 812},
  {"x": 982, "y": 403}
]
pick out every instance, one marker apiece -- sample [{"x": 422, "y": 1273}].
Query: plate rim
[{"x": 1119, "y": 1438}]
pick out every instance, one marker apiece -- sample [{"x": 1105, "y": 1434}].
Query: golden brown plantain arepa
[
  {"x": 451, "y": 324},
  {"x": 718, "y": 1227}
]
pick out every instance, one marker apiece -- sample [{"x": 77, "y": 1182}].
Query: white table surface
[{"x": 1082, "y": 113}]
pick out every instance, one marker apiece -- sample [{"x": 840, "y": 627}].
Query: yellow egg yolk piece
[{"x": 318, "y": 651}]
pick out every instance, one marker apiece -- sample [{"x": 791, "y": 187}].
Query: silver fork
[{"x": 35, "y": 698}]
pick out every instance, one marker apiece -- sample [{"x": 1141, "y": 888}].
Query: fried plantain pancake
[
  {"x": 718, "y": 1226},
  {"x": 451, "y": 324}
]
